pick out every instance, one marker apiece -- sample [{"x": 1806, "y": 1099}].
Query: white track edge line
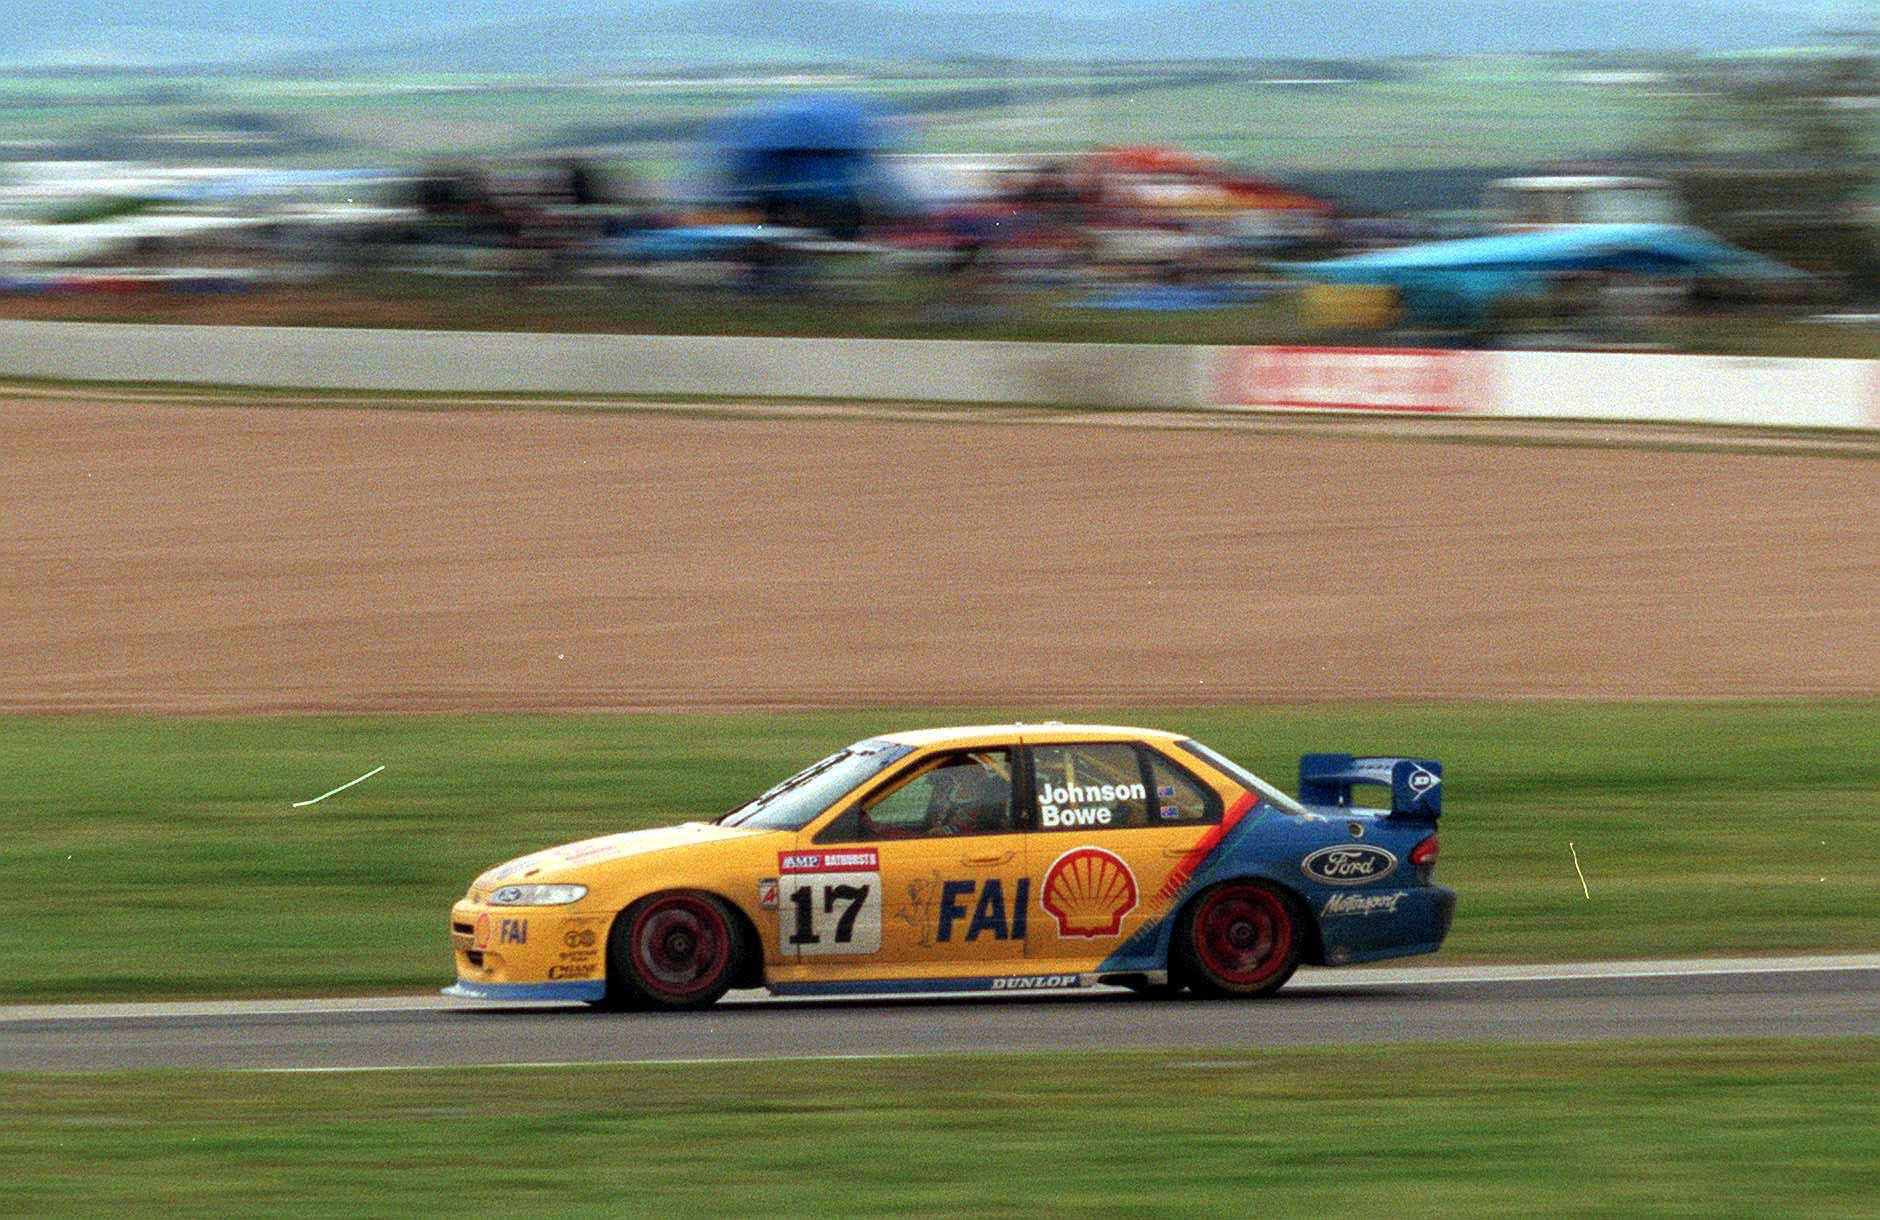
[{"x": 1330, "y": 979}]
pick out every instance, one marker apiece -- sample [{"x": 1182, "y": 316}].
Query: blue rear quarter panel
[{"x": 1395, "y": 914}]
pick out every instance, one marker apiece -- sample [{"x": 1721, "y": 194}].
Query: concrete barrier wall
[
  {"x": 1575, "y": 385},
  {"x": 1695, "y": 389},
  {"x": 446, "y": 361},
  {"x": 1551, "y": 385}
]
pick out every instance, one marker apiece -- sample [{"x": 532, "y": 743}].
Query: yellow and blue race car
[{"x": 1005, "y": 858}]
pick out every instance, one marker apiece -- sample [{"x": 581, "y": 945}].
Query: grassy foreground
[
  {"x": 152, "y": 857},
  {"x": 1739, "y": 1128}
]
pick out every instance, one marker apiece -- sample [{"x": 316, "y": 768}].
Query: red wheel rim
[
  {"x": 680, "y": 946},
  {"x": 1243, "y": 935}
]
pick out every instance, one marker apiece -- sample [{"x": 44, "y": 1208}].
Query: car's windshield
[
  {"x": 797, "y": 801},
  {"x": 1243, "y": 777}
]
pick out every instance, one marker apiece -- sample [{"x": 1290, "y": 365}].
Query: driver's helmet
[{"x": 973, "y": 798}]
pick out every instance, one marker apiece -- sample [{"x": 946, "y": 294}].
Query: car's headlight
[{"x": 537, "y": 895}]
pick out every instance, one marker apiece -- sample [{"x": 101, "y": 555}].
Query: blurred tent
[
  {"x": 1462, "y": 281},
  {"x": 1218, "y": 183},
  {"x": 815, "y": 161}
]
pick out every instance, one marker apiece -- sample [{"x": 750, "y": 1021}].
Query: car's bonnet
[{"x": 559, "y": 860}]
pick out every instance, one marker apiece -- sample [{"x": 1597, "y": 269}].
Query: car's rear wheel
[
  {"x": 1240, "y": 938},
  {"x": 678, "y": 950}
]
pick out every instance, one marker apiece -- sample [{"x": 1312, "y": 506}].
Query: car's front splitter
[{"x": 575, "y": 989}]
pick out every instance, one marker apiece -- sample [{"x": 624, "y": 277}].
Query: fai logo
[
  {"x": 989, "y": 915},
  {"x": 1351, "y": 864},
  {"x": 1088, "y": 891}
]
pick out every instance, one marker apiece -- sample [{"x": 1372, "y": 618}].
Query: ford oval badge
[{"x": 1348, "y": 864}]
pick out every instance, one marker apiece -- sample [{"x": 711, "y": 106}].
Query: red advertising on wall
[{"x": 1353, "y": 379}]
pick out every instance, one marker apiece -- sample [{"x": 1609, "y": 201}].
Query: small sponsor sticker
[
  {"x": 1362, "y": 904},
  {"x": 484, "y": 927},
  {"x": 1038, "y": 982},
  {"x": 767, "y": 894},
  {"x": 587, "y": 851},
  {"x": 578, "y": 938}
]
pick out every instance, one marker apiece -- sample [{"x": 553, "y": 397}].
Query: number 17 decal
[{"x": 831, "y": 902}]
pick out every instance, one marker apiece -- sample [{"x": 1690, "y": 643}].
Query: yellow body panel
[{"x": 976, "y": 905}]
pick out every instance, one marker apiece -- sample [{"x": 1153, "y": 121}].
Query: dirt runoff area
[{"x": 242, "y": 559}]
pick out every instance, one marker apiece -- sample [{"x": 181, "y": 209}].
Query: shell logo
[{"x": 1088, "y": 891}]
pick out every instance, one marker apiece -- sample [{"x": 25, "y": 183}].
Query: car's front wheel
[
  {"x": 676, "y": 951},
  {"x": 1239, "y": 938}
]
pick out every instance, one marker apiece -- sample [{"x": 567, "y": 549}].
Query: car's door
[
  {"x": 941, "y": 845},
  {"x": 1113, "y": 820}
]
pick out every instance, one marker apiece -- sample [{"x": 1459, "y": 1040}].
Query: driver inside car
[{"x": 969, "y": 798}]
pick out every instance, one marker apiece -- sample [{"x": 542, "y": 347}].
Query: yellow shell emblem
[{"x": 1088, "y": 891}]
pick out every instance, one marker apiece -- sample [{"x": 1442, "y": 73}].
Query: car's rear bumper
[{"x": 1368, "y": 926}]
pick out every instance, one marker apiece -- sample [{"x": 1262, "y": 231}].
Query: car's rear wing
[{"x": 1416, "y": 784}]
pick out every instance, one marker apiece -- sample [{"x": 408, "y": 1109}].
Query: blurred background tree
[{"x": 1778, "y": 152}]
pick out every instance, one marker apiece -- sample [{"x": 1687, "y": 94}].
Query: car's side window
[
  {"x": 1180, "y": 798},
  {"x": 966, "y": 792},
  {"x": 1089, "y": 784}
]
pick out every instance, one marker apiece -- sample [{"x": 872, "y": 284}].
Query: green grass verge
[
  {"x": 874, "y": 305},
  {"x": 1737, "y": 1128},
  {"x": 154, "y": 857}
]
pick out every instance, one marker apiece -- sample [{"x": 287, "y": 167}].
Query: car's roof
[{"x": 994, "y": 734}]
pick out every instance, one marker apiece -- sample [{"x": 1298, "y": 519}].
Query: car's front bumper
[{"x": 521, "y": 953}]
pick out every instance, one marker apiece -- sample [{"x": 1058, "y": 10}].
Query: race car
[{"x": 1014, "y": 857}]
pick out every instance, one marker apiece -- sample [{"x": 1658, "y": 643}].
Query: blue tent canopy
[
  {"x": 821, "y": 149},
  {"x": 828, "y": 122},
  {"x": 1465, "y": 278}
]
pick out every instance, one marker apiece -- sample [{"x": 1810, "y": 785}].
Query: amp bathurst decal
[{"x": 1088, "y": 891}]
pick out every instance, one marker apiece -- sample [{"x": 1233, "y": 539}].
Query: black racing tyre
[
  {"x": 677, "y": 950},
  {"x": 1239, "y": 938}
]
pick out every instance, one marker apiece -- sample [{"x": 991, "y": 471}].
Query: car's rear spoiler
[{"x": 1416, "y": 784}]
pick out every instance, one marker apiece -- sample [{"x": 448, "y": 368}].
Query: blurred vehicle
[
  {"x": 1004, "y": 858},
  {"x": 1462, "y": 283},
  {"x": 1551, "y": 200}
]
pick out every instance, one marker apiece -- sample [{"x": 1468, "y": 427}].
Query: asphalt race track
[{"x": 1798, "y": 997}]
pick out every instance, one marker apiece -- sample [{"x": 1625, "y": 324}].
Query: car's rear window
[{"x": 1240, "y": 775}]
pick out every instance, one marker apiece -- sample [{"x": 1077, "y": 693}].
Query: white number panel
[{"x": 829, "y": 902}]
